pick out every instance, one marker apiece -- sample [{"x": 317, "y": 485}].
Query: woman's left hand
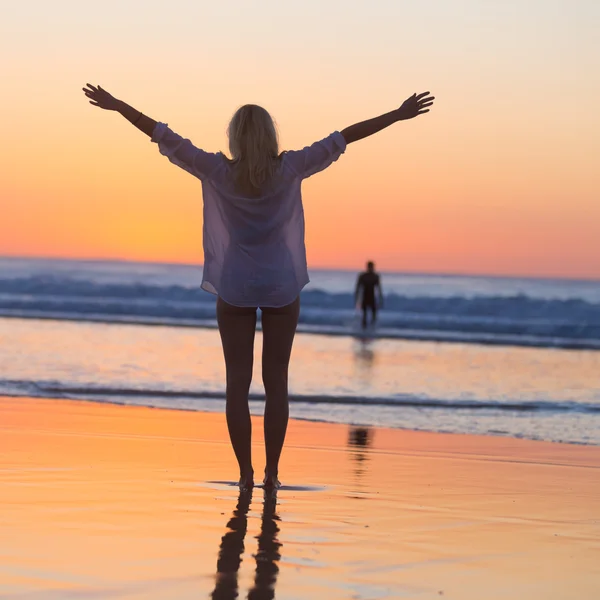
[
  {"x": 100, "y": 97},
  {"x": 415, "y": 105}
]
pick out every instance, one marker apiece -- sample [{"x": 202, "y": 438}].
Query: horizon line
[{"x": 328, "y": 268}]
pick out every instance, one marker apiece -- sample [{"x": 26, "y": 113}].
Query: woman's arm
[
  {"x": 101, "y": 98},
  {"x": 413, "y": 106},
  {"x": 178, "y": 150}
]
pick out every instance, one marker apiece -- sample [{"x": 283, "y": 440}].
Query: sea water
[{"x": 485, "y": 355}]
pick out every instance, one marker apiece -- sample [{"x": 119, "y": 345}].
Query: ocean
[{"x": 486, "y": 355}]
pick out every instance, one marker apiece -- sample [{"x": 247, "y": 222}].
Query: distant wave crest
[{"x": 515, "y": 320}]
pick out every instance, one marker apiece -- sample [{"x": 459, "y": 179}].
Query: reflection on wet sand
[
  {"x": 359, "y": 440},
  {"x": 360, "y": 437},
  {"x": 364, "y": 353},
  {"x": 268, "y": 554},
  {"x": 232, "y": 549}
]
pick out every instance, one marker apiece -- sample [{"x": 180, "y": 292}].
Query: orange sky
[{"x": 499, "y": 178}]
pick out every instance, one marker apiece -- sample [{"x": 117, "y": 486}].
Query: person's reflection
[
  {"x": 364, "y": 352},
  {"x": 359, "y": 439},
  {"x": 232, "y": 549},
  {"x": 364, "y": 361},
  {"x": 268, "y": 554}
]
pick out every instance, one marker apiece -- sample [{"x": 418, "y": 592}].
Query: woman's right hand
[{"x": 101, "y": 98}]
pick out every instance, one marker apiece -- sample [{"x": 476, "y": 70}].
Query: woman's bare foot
[
  {"x": 246, "y": 482},
  {"x": 271, "y": 482}
]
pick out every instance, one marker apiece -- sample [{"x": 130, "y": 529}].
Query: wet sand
[{"x": 105, "y": 501}]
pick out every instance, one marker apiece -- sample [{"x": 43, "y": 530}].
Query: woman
[{"x": 254, "y": 254}]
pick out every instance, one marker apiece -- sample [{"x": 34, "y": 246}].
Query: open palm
[
  {"x": 100, "y": 97},
  {"x": 416, "y": 105}
]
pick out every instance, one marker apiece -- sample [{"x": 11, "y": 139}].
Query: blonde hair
[{"x": 254, "y": 149}]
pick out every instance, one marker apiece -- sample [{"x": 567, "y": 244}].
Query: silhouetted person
[
  {"x": 367, "y": 283},
  {"x": 254, "y": 252}
]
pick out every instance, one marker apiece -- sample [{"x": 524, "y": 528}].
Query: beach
[
  {"x": 413, "y": 468},
  {"x": 107, "y": 501}
]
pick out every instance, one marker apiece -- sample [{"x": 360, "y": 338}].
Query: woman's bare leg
[
  {"x": 237, "y": 327},
  {"x": 279, "y": 328}
]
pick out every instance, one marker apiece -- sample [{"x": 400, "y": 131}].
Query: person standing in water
[
  {"x": 254, "y": 253},
  {"x": 366, "y": 283}
]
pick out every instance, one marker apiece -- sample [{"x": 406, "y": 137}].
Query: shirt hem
[{"x": 210, "y": 289}]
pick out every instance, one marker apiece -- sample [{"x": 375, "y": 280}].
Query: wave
[
  {"x": 51, "y": 389},
  {"x": 493, "y": 319}
]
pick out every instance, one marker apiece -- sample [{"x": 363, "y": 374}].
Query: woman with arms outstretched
[{"x": 254, "y": 253}]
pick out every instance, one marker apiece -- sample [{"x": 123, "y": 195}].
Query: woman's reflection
[
  {"x": 268, "y": 554},
  {"x": 232, "y": 549}
]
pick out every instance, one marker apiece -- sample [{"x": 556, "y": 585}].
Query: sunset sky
[{"x": 502, "y": 177}]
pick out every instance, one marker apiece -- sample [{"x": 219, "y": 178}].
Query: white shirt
[{"x": 254, "y": 253}]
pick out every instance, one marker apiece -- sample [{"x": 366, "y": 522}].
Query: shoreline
[
  {"x": 523, "y": 393},
  {"x": 6, "y": 396},
  {"x": 484, "y": 339},
  {"x": 420, "y": 436}
]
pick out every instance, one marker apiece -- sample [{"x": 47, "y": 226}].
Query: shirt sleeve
[
  {"x": 318, "y": 156},
  {"x": 183, "y": 153}
]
